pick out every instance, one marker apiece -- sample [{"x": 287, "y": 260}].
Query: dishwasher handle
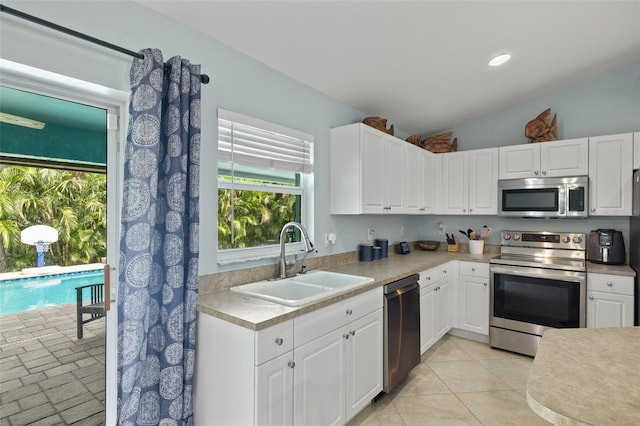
[
  {"x": 402, "y": 290},
  {"x": 404, "y": 282}
]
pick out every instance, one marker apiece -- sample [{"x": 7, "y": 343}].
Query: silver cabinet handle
[
  {"x": 544, "y": 172},
  {"x": 346, "y": 336},
  {"x": 349, "y": 311},
  {"x": 593, "y": 209},
  {"x": 535, "y": 173},
  {"x": 291, "y": 364},
  {"x": 428, "y": 278},
  {"x": 473, "y": 269},
  {"x": 352, "y": 332},
  {"x": 444, "y": 271},
  {"x": 470, "y": 210},
  {"x": 485, "y": 284},
  {"x": 590, "y": 297},
  {"x": 610, "y": 284},
  {"x": 279, "y": 341}
]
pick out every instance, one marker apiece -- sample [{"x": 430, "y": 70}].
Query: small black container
[
  {"x": 377, "y": 253},
  {"x": 383, "y": 243},
  {"x": 366, "y": 252}
]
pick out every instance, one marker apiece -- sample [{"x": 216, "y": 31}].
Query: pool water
[{"x": 24, "y": 294}]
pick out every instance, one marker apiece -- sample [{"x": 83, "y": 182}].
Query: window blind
[{"x": 252, "y": 142}]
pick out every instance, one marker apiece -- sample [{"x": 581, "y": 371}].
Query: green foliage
[
  {"x": 252, "y": 218},
  {"x": 74, "y": 203}
]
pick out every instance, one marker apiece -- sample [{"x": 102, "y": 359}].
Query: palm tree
[{"x": 74, "y": 203}]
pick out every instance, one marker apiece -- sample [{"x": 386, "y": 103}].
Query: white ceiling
[{"x": 423, "y": 64}]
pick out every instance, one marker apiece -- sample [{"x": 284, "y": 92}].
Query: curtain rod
[{"x": 203, "y": 77}]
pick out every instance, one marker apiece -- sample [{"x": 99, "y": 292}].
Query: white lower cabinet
[
  {"x": 610, "y": 300},
  {"x": 274, "y": 391},
  {"x": 436, "y": 305},
  {"x": 321, "y": 368},
  {"x": 473, "y": 288}
]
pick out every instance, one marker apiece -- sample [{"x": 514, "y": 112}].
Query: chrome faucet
[{"x": 308, "y": 245}]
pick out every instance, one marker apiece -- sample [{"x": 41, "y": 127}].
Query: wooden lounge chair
[{"x": 95, "y": 308}]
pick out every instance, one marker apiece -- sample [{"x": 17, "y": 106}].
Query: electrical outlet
[
  {"x": 370, "y": 233},
  {"x": 403, "y": 231},
  {"x": 441, "y": 229}
]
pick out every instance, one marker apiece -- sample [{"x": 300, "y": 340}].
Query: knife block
[{"x": 454, "y": 247}]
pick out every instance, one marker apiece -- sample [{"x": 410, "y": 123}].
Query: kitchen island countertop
[{"x": 587, "y": 376}]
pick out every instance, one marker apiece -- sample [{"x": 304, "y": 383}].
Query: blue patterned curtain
[{"x": 158, "y": 281}]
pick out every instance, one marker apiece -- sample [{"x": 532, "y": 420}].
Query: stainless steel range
[{"x": 537, "y": 282}]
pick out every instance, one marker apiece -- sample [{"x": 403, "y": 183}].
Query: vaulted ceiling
[{"x": 423, "y": 64}]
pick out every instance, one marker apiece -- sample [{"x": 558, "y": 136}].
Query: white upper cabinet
[
  {"x": 568, "y": 157},
  {"x": 455, "y": 182},
  {"x": 367, "y": 171},
  {"x": 431, "y": 182},
  {"x": 636, "y": 150},
  {"x": 469, "y": 182},
  {"x": 610, "y": 175},
  {"x": 413, "y": 182}
]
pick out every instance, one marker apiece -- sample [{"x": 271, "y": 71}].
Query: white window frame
[{"x": 248, "y": 254}]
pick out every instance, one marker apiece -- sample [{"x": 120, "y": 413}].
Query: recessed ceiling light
[
  {"x": 499, "y": 60},
  {"x": 21, "y": 121}
]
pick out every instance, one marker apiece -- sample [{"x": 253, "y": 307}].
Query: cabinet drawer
[
  {"x": 273, "y": 341},
  {"x": 474, "y": 269},
  {"x": 610, "y": 283},
  {"x": 317, "y": 323},
  {"x": 434, "y": 274}
]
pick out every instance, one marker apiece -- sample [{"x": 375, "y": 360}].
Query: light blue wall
[{"x": 243, "y": 85}]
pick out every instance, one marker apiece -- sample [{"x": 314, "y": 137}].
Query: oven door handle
[{"x": 539, "y": 273}]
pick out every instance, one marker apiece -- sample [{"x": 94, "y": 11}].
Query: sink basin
[
  {"x": 302, "y": 289},
  {"x": 334, "y": 280}
]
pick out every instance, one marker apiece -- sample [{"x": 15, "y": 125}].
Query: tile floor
[
  {"x": 47, "y": 375},
  {"x": 458, "y": 382}
]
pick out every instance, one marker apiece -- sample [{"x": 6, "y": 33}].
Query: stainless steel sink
[{"x": 302, "y": 289}]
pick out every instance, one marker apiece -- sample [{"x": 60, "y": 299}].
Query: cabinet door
[
  {"x": 483, "y": 181},
  {"x": 474, "y": 304},
  {"x": 274, "y": 391},
  {"x": 444, "y": 307},
  {"x": 394, "y": 176},
  {"x": 610, "y": 175},
  {"x": 455, "y": 182},
  {"x": 413, "y": 164},
  {"x": 519, "y": 161},
  {"x": 373, "y": 165},
  {"x": 636, "y": 151},
  {"x": 609, "y": 310},
  {"x": 319, "y": 385},
  {"x": 431, "y": 182},
  {"x": 568, "y": 157},
  {"x": 427, "y": 317},
  {"x": 364, "y": 361}
]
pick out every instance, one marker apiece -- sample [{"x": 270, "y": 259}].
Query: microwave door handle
[{"x": 563, "y": 195}]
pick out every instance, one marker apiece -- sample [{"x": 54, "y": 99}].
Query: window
[{"x": 264, "y": 181}]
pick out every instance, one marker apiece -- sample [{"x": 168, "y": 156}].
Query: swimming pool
[{"x": 24, "y": 294}]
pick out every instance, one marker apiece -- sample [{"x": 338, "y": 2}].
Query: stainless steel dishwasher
[{"x": 401, "y": 329}]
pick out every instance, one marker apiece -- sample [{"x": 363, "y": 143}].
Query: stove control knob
[
  {"x": 566, "y": 239},
  {"x": 577, "y": 239},
  {"x": 507, "y": 236},
  {"x": 516, "y": 237}
]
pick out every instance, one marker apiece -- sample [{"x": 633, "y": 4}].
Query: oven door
[{"x": 529, "y": 299}]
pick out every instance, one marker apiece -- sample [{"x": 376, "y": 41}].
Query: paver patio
[{"x": 47, "y": 375}]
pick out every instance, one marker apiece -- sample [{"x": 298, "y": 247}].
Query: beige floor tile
[
  {"x": 421, "y": 381},
  {"x": 447, "y": 351},
  {"x": 434, "y": 410},
  {"x": 514, "y": 372},
  {"x": 500, "y": 408},
  {"x": 380, "y": 413},
  {"x": 467, "y": 376},
  {"x": 478, "y": 350}
]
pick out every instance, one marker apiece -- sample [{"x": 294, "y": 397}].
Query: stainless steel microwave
[{"x": 564, "y": 197}]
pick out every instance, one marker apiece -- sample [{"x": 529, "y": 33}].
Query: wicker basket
[{"x": 428, "y": 245}]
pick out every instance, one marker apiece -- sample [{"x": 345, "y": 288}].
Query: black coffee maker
[{"x": 606, "y": 246}]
